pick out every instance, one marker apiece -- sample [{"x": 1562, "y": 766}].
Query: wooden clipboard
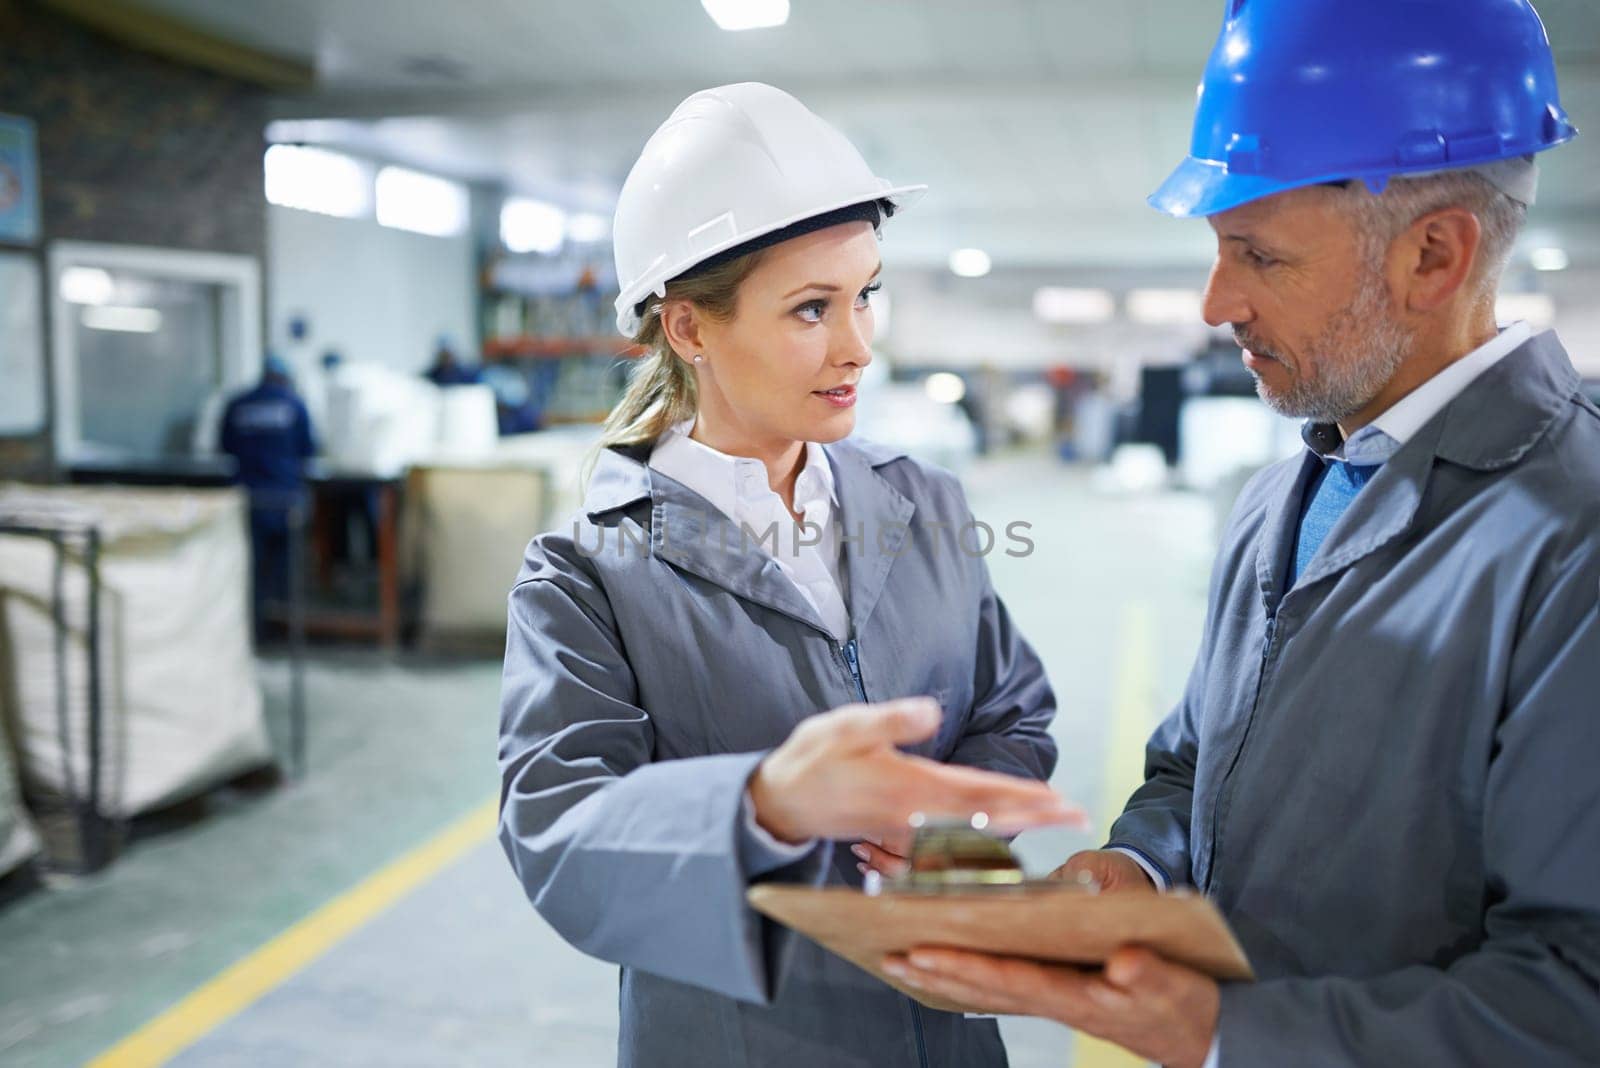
[{"x": 1057, "y": 925}]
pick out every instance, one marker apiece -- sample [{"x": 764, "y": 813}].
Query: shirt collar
[
  {"x": 1380, "y": 439},
  {"x": 732, "y": 483}
]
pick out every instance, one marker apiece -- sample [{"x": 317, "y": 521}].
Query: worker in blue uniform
[
  {"x": 267, "y": 431},
  {"x": 447, "y": 368},
  {"x": 1383, "y": 768}
]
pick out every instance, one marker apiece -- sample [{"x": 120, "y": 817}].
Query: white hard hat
[{"x": 730, "y": 165}]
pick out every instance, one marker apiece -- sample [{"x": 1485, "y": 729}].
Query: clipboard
[{"x": 1062, "y": 925}]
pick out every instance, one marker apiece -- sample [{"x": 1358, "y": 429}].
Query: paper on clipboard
[{"x": 1048, "y": 924}]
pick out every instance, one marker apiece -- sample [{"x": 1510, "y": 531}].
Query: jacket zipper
[
  {"x": 1225, "y": 787},
  {"x": 852, "y": 659}
]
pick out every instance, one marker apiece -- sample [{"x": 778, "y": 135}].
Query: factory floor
[{"x": 365, "y": 916}]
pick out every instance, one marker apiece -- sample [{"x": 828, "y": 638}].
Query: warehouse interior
[{"x": 238, "y": 829}]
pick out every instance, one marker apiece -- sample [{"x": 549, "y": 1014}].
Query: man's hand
[
  {"x": 1151, "y": 1007},
  {"x": 1115, "y": 872},
  {"x": 839, "y": 775}
]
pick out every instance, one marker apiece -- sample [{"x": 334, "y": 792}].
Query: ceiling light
[
  {"x": 1054, "y": 304},
  {"x": 86, "y": 285},
  {"x": 747, "y": 14},
  {"x": 1537, "y": 309},
  {"x": 588, "y": 228},
  {"x": 945, "y": 388},
  {"x": 314, "y": 179},
  {"x": 1549, "y": 259},
  {"x": 123, "y": 320},
  {"x": 532, "y": 225},
  {"x": 969, "y": 262},
  {"x": 1164, "y": 307},
  {"x": 421, "y": 203}
]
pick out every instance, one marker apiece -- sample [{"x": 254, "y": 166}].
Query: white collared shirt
[
  {"x": 1380, "y": 439},
  {"x": 738, "y": 487}
]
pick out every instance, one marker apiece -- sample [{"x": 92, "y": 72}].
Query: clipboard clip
[{"x": 951, "y": 856}]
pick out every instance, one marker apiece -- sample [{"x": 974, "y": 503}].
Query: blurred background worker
[
  {"x": 447, "y": 368},
  {"x": 268, "y": 432}
]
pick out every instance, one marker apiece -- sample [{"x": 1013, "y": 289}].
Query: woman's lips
[{"x": 842, "y": 397}]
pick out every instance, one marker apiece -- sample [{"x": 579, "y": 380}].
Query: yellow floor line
[
  {"x": 245, "y": 982},
  {"x": 1132, "y": 715}
]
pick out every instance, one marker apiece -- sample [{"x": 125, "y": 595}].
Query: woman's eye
[
  {"x": 811, "y": 311},
  {"x": 864, "y": 298}
]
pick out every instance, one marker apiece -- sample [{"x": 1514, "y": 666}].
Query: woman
[{"x": 670, "y": 656}]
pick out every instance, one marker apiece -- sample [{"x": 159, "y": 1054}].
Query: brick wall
[{"x": 133, "y": 149}]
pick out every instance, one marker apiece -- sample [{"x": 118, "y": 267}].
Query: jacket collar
[
  {"x": 1489, "y": 426},
  {"x": 693, "y": 535}
]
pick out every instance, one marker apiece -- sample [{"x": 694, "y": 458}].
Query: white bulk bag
[
  {"x": 18, "y": 841},
  {"x": 181, "y": 704}
]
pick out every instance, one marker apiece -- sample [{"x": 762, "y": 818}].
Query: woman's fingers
[
  {"x": 857, "y": 727},
  {"x": 880, "y": 860},
  {"x": 946, "y": 791}
]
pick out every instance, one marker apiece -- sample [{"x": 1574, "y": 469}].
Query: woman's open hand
[{"x": 839, "y": 775}]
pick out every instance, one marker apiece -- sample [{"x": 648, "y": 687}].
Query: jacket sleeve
[
  {"x": 640, "y": 862},
  {"x": 1009, "y": 727},
  {"x": 1530, "y": 992}
]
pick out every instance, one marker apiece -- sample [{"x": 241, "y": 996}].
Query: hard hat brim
[
  {"x": 1201, "y": 187},
  {"x": 628, "y": 321}
]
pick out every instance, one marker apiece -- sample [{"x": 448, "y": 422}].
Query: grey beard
[{"x": 1355, "y": 356}]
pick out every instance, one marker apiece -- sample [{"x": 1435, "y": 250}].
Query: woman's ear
[{"x": 680, "y": 323}]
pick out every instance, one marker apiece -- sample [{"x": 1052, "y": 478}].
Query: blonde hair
[{"x": 661, "y": 389}]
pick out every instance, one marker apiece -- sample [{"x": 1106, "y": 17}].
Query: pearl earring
[{"x": 699, "y": 359}]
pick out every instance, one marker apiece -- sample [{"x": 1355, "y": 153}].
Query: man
[
  {"x": 268, "y": 432},
  {"x": 448, "y": 370},
  {"x": 1383, "y": 768}
]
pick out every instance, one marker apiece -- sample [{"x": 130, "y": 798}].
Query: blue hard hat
[
  {"x": 273, "y": 364},
  {"x": 1300, "y": 92}
]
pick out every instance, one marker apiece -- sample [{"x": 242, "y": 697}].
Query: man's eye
[{"x": 1257, "y": 259}]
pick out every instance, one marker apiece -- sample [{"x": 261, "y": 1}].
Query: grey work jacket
[
  {"x": 1388, "y": 776},
  {"x": 642, "y": 687}
]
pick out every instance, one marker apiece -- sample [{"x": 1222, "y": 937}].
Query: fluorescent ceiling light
[
  {"x": 588, "y": 228},
  {"x": 123, "y": 320},
  {"x": 314, "y": 179},
  {"x": 1054, "y": 304},
  {"x": 1537, "y": 309},
  {"x": 421, "y": 203},
  {"x": 86, "y": 285},
  {"x": 969, "y": 262},
  {"x": 747, "y": 14},
  {"x": 1549, "y": 259},
  {"x": 532, "y": 225},
  {"x": 1164, "y": 307},
  {"x": 944, "y": 387}
]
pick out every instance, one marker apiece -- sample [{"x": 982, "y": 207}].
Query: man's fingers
[{"x": 999, "y": 984}]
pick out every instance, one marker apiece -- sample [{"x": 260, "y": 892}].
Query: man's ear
[
  {"x": 1441, "y": 255},
  {"x": 681, "y": 323}
]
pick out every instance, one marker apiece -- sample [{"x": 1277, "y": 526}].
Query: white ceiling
[{"x": 1039, "y": 124}]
